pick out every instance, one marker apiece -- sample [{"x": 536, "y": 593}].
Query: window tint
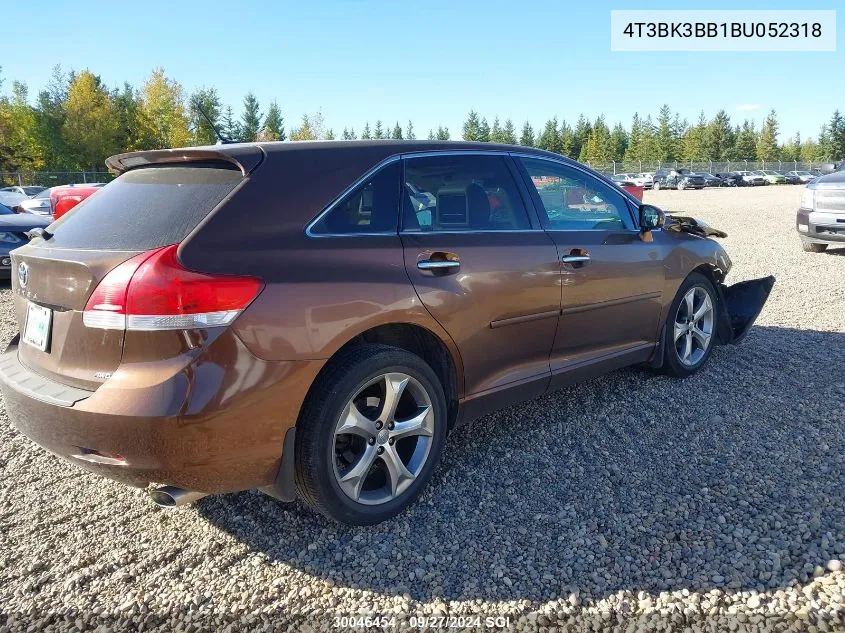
[
  {"x": 461, "y": 193},
  {"x": 573, "y": 200},
  {"x": 145, "y": 208},
  {"x": 373, "y": 207}
]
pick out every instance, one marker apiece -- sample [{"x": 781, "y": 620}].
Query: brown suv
[{"x": 315, "y": 317}]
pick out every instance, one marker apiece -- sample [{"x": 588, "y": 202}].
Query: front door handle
[
  {"x": 438, "y": 265},
  {"x": 575, "y": 259}
]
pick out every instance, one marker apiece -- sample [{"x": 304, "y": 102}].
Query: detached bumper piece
[{"x": 740, "y": 306}]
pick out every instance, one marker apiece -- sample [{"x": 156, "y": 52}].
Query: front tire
[
  {"x": 813, "y": 247},
  {"x": 370, "y": 434},
  {"x": 656, "y": 186},
  {"x": 691, "y": 327}
]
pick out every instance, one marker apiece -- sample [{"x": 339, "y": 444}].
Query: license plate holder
[{"x": 39, "y": 321}]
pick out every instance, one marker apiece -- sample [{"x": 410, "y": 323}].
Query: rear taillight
[{"x": 153, "y": 291}]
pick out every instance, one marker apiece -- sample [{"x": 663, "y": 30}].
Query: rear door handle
[{"x": 441, "y": 265}]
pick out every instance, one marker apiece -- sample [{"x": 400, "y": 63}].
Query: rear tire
[
  {"x": 813, "y": 247},
  {"x": 370, "y": 434},
  {"x": 656, "y": 186},
  {"x": 681, "y": 186},
  {"x": 691, "y": 327}
]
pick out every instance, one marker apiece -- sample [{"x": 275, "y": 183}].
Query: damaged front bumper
[{"x": 739, "y": 306}]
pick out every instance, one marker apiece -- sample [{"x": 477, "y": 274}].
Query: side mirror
[{"x": 651, "y": 218}]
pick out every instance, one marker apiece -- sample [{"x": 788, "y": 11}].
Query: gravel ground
[{"x": 631, "y": 502}]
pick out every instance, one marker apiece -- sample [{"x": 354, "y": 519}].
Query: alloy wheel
[
  {"x": 383, "y": 438},
  {"x": 693, "y": 332}
]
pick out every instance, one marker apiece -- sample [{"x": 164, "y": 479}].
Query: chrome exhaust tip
[{"x": 171, "y": 496}]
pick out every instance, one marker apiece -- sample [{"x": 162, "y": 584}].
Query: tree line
[
  {"x": 666, "y": 139},
  {"x": 77, "y": 121}
]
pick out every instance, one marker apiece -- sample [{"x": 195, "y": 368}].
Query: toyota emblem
[{"x": 23, "y": 274}]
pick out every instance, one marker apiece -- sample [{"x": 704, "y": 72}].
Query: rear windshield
[{"x": 145, "y": 208}]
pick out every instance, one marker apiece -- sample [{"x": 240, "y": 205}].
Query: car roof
[{"x": 248, "y": 155}]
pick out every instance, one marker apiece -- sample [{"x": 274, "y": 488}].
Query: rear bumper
[{"x": 213, "y": 421}]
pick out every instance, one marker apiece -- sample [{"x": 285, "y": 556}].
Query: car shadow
[{"x": 730, "y": 479}]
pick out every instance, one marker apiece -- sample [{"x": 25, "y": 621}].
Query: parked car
[
  {"x": 326, "y": 346},
  {"x": 711, "y": 180},
  {"x": 63, "y": 199},
  {"x": 752, "y": 179},
  {"x": 28, "y": 190},
  {"x": 628, "y": 185},
  {"x": 39, "y": 204},
  {"x": 11, "y": 197},
  {"x": 644, "y": 180},
  {"x": 821, "y": 214},
  {"x": 13, "y": 229},
  {"x": 677, "y": 179},
  {"x": 731, "y": 179},
  {"x": 802, "y": 177},
  {"x": 771, "y": 177}
]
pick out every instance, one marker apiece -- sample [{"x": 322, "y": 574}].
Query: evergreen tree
[
  {"x": 567, "y": 140},
  {"x": 633, "y": 151},
  {"x": 228, "y": 125},
  {"x": 49, "y": 119},
  {"x": 496, "y": 131},
  {"x": 509, "y": 133},
  {"x": 692, "y": 146},
  {"x": 746, "y": 143},
  {"x": 128, "y": 102},
  {"x": 204, "y": 100},
  {"x": 580, "y": 135},
  {"x": 665, "y": 139},
  {"x": 250, "y": 119},
  {"x": 767, "y": 142},
  {"x": 274, "y": 124},
  {"x": 527, "y": 136},
  {"x": 472, "y": 127},
  {"x": 397, "y": 131},
  {"x": 484, "y": 131},
  {"x": 378, "y": 133},
  {"x": 718, "y": 137},
  {"x": 618, "y": 142},
  {"x": 366, "y": 134},
  {"x": 431, "y": 136},
  {"x": 442, "y": 133},
  {"x": 409, "y": 131},
  {"x": 834, "y": 147},
  {"x": 549, "y": 139},
  {"x": 330, "y": 134}
]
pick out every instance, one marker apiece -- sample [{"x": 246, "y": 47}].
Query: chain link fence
[
  {"x": 711, "y": 167},
  {"x": 52, "y": 178}
]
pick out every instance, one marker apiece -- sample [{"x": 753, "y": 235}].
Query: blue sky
[{"x": 429, "y": 61}]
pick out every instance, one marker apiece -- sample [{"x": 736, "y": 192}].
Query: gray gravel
[{"x": 632, "y": 502}]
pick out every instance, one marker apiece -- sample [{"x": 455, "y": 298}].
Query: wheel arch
[{"x": 422, "y": 342}]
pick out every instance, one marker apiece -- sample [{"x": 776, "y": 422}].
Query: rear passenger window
[
  {"x": 573, "y": 200},
  {"x": 461, "y": 193},
  {"x": 372, "y": 207}
]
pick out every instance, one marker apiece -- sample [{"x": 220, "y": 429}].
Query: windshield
[{"x": 31, "y": 191}]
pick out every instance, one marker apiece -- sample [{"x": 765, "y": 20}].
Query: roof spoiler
[{"x": 244, "y": 157}]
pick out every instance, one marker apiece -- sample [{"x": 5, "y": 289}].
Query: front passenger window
[{"x": 573, "y": 200}]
